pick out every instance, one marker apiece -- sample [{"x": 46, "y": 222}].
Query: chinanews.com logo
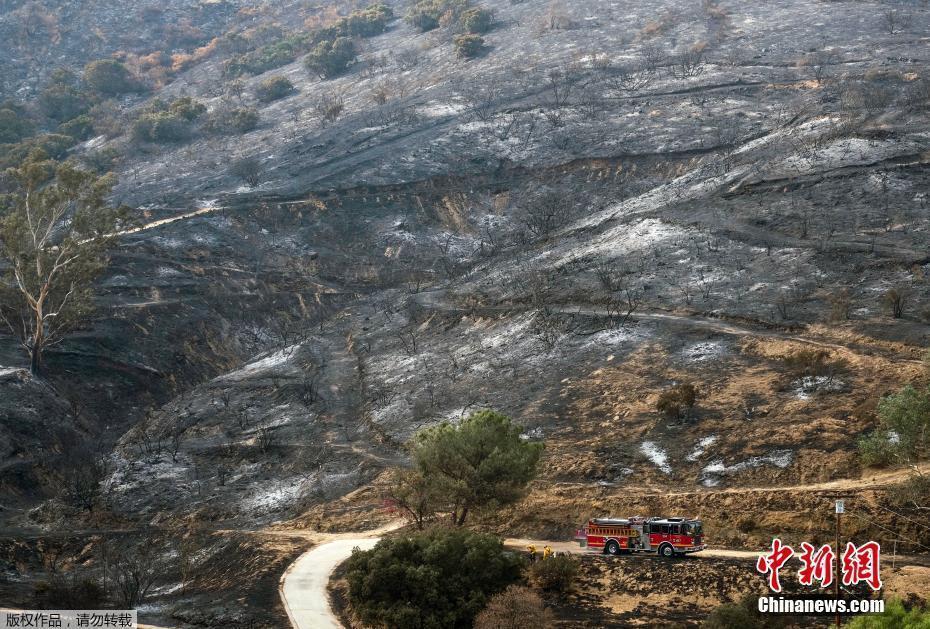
[{"x": 857, "y": 565}]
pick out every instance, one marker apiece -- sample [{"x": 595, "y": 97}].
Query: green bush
[
  {"x": 476, "y": 20},
  {"x": 440, "y": 579},
  {"x": 367, "y": 22},
  {"x": 895, "y": 616},
  {"x": 876, "y": 449},
  {"x": 269, "y": 57},
  {"x": 51, "y": 145},
  {"x": 63, "y": 102},
  {"x": 468, "y": 46},
  {"x": 273, "y": 89},
  {"x": 109, "y": 78},
  {"x": 187, "y": 108},
  {"x": 555, "y": 574},
  {"x": 331, "y": 57},
  {"x": 907, "y": 414},
  {"x": 80, "y": 128},
  {"x": 231, "y": 121},
  {"x": 161, "y": 127},
  {"x": 14, "y": 125},
  {"x": 162, "y": 122},
  {"x": 427, "y": 15}
]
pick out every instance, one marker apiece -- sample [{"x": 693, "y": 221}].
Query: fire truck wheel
[
  {"x": 667, "y": 550},
  {"x": 612, "y": 548}
]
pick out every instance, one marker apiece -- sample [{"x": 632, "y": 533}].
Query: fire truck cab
[{"x": 666, "y": 536}]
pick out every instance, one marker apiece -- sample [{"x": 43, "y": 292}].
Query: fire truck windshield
[{"x": 692, "y": 528}]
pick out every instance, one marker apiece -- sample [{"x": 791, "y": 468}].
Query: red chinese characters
[
  {"x": 861, "y": 565},
  {"x": 770, "y": 564},
  {"x": 816, "y": 565}
]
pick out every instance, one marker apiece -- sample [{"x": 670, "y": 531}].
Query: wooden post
[{"x": 840, "y": 507}]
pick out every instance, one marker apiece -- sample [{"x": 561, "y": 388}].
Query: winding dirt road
[{"x": 303, "y": 586}]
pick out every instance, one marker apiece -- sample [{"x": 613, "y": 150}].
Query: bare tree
[
  {"x": 82, "y": 478},
  {"x": 249, "y": 170},
  {"x": 481, "y": 95},
  {"x": 545, "y": 212},
  {"x": 895, "y": 21},
  {"x": 328, "y": 106},
  {"x": 137, "y": 569}
]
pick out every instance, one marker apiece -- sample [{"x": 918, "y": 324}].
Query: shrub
[
  {"x": 274, "y": 88},
  {"x": 677, "y": 402},
  {"x": 913, "y": 492},
  {"x": 742, "y": 615},
  {"x": 14, "y": 126},
  {"x": 79, "y": 128},
  {"x": 429, "y": 14},
  {"x": 907, "y": 415},
  {"x": 812, "y": 363},
  {"x": 556, "y": 574},
  {"x": 62, "y": 102},
  {"x": 162, "y": 122},
  {"x": 231, "y": 121},
  {"x": 476, "y": 20},
  {"x": 161, "y": 127},
  {"x": 876, "y": 449},
  {"x": 329, "y": 106},
  {"x": 268, "y": 57},
  {"x": 187, "y": 108},
  {"x": 895, "y": 616},
  {"x": 517, "y": 607},
  {"x": 368, "y": 22},
  {"x": 895, "y": 299},
  {"x": 422, "y": 19},
  {"x": 440, "y": 578},
  {"x": 109, "y": 78},
  {"x": 249, "y": 170},
  {"x": 468, "y": 46},
  {"x": 63, "y": 592},
  {"x": 331, "y": 57}
]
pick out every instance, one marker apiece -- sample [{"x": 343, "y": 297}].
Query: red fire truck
[{"x": 666, "y": 536}]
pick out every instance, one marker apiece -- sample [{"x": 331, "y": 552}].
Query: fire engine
[{"x": 666, "y": 536}]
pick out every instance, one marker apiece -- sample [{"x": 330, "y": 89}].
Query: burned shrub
[
  {"x": 678, "y": 402},
  {"x": 468, "y": 46}
]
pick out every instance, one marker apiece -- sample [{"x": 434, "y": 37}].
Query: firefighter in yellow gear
[
  {"x": 532, "y": 550},
  {"x": 547, "y": 552}
]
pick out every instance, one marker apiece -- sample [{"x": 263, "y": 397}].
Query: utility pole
[{"x": 836, "y": 576}]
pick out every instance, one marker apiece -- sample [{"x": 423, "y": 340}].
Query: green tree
[
  {"x": 55, "y": 230},
  {"x": 417, "y": 499},
  {"x": 895, "y": 616},
  {"x": 331, "y": 57},
  {"x": 904, "y": 428},
  {"x": 481, "y": 462},
  {"x": 109, "y": 78},
  {"x": 439, "y": 579}
]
